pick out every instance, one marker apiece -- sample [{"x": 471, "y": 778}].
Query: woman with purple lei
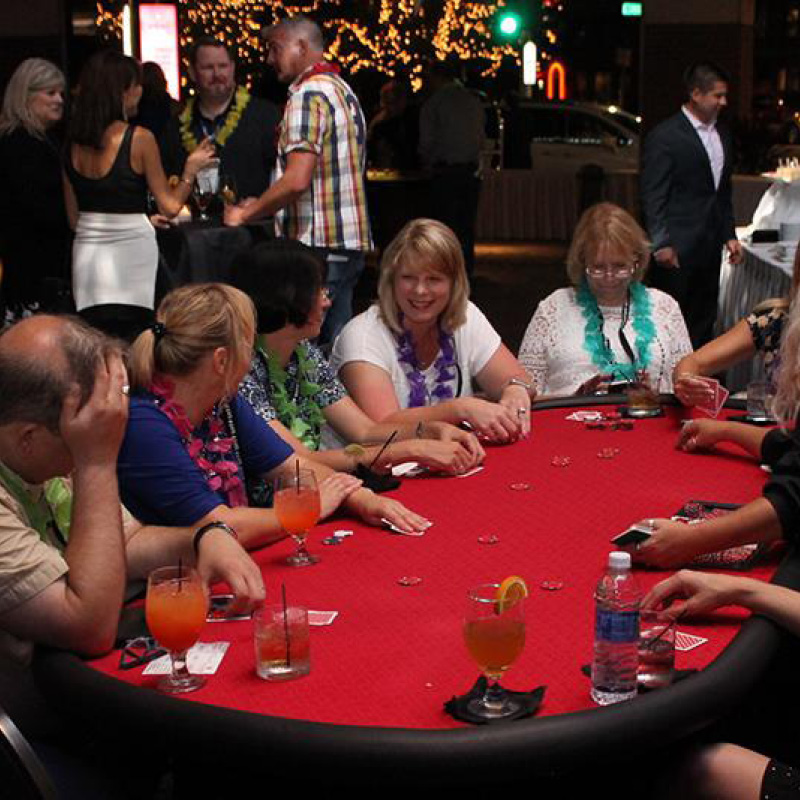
[{"x": 423, "y": 350}]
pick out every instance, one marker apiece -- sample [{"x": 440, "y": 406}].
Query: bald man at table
[{"x": 67, "y": 546}]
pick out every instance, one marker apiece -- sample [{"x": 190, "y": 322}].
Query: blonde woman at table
[
  {"x": 759, "y": 334},
  {"x": 415, "y": 354},
  {"x": 607, "y": 327},
  {"x": 192, "y": 442},
  {"x": 291, "y": 384},
  {"x": 110, "y": 167},
  {"x": 728, "y": 771},
  {"x": 775, "y": 515}
]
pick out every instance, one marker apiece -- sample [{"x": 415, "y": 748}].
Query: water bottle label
[{"x": 616, "y": 626}]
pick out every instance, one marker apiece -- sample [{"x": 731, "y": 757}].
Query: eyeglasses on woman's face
[{"x": 619, "y": 271}]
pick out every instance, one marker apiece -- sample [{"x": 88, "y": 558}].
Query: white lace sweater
[{"x": 553, "y": 347}]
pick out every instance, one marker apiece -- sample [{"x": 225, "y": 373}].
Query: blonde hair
[
  {"x": 31, "y": 76},
  {"x": 427, "y": 244},
  {"x": 606, "y": 223},
  {"x": 196, "y": 320},
  {"x": 787, "y": 397}
]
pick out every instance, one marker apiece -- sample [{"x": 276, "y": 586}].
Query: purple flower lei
[{"x": 444, "y": 364}]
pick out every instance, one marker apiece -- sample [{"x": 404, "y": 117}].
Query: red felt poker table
[{"x": 382, "y": 671}]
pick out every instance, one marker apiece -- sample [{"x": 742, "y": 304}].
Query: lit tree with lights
[{"x": 390, "y": 36}]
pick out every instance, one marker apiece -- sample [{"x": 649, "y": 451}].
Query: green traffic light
[{"x": 509, "y": 24}]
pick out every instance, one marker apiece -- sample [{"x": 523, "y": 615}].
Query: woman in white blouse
[
  {"x": 607, "y": 327},
  {"x": 414, "y": 355}
]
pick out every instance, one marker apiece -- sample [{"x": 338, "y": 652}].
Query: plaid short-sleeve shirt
[{"x": 323, "y": 116}]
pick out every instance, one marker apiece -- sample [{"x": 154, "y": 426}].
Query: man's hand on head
[{"x": 93, "y": 431}]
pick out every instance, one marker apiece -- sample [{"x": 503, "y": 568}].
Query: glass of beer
[
  {"x": 296, "y": 504},
  {"x": 494, "y": 633},
  {"x": 175, "y": 609}
]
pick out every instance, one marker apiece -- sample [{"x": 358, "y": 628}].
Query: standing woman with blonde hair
[
  {"x": 110, "y": 167},
  {"x": 193, "y": 443},
  {"x": 420, "y": 353},
  {"x": 35, "y": 237}
]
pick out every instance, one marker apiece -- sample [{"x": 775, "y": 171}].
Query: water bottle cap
[{"x": 619, "y": 559}]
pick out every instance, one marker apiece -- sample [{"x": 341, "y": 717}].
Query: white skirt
[{"x": 114, "y": 260}]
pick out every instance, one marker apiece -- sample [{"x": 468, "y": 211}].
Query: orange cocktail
[
  {"x": 175, "y": 609},
  {"x": 494, "y": 643},
  {"x": 297, "y": 506},
  {"x": 176, "y": 613},
  {"x": 297, "y": 509}
]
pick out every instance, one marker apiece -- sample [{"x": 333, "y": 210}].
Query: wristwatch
[{"x": 201, "y": 532}]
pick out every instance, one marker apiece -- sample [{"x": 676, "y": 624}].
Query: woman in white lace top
[{"x": 607, "y": 326}]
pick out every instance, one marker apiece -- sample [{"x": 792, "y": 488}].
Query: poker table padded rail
[{"x": 370, "y": 755}]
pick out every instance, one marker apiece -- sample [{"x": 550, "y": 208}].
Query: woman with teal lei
[
  {"x": 292, "y": 386},
  {"x": 607, "y": 328}
]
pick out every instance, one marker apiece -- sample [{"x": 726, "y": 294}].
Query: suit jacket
[{"x": 681, "y": 207}]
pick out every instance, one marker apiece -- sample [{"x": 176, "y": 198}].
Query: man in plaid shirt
[{"x": 317, "y": 193}]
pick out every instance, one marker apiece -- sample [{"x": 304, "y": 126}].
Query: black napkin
[
  {"x": 677, "y": 675},
  {"x": 373, "y": 480},
  {"x": 457, "y": 706}
]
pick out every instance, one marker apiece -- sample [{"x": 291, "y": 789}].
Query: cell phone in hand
[{"x": 636, "y": 534}]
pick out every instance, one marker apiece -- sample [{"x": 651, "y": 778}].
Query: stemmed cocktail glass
[
  {"x": 176, "y": 608},
  {"x": 296, "y": 504},
  {"x": 494, "y": 632}
]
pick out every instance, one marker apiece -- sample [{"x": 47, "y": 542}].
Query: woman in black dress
[{"x": 35, "y": 237}]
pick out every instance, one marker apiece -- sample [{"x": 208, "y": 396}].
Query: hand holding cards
[{"x": 715, "y": 399}]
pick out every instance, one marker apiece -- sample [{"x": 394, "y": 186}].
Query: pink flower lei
[{"x": 207, "y": 449}]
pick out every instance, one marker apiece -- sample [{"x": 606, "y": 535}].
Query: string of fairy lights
[{"x": 390, "y": 36}]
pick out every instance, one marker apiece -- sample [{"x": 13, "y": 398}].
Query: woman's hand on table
[
  {"x": 671, "y": 545},
  {"x": 221, "y": 558},
  {"x": 701, "y": 434},
  {"x": 517, "y": 401},
  {"x": 693, "y": 390},
  {"x": 491, "y": 421},
  {"x": 445, "y": 432},
  {"x": 440, "y": 456},
  {"x": 702, "y": 592},
  {"x": 334, "y": 489},
  {"x": 595, "y": 384},
  {"x": 376, "y": 510}
]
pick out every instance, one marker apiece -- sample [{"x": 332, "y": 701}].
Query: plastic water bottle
[{"x": 616, "y": 632}]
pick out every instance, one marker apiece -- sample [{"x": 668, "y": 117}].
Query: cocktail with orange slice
[{"x": 494, "y": 632}]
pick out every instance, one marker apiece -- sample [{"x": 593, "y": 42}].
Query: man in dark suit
[{"x": 686, "y": 200}]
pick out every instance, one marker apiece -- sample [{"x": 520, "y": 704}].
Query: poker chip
[
  {"x": 561, "y": 461},
  {"x": 488, "y": 538},
  {"x": 409, "y": 580},
  {"x": 520, "y": 487},
  {"x": 608, "y": 452},
  {"x": 552, "y": 586}
]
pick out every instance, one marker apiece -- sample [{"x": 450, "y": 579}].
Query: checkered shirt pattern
[{"x": 323, "y": 116}]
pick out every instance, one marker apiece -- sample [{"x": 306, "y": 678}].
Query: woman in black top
[
  {"x": 34, "y": 231},
  {"x": 111, "y": 166}
]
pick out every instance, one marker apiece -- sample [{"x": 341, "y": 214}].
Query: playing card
[
  {"x": 321, "y": 617},
  {"x": 688, "y": 641},
  {"x": 713, "y": 405},
  {"x": 202, "y": 659},
  {"x": 469, "y": 472}
]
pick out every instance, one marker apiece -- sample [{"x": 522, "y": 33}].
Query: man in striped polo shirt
[{"x": 317, "y": 195}]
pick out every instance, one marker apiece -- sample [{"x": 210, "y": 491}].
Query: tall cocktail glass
[
  {"x": 296, "y": 504},
  {"x": 494, "y": 632},
  {"x": 176, "y": 608}
]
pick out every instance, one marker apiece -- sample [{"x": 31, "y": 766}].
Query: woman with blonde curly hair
[
  {"x": 415, "y": 355},
  {"x": 193, "y": 443},
  {"x": 607, "y": 327},
  {"x": 34, "y": 230}
]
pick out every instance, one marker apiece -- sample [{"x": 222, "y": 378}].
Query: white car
[{"x": 564, "y": 137}]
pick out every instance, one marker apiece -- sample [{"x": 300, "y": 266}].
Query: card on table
[
  {"x": 203, "y": 658},
  {"x": 688, "y": 641},
  {"x": 321, "y": 617}
]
